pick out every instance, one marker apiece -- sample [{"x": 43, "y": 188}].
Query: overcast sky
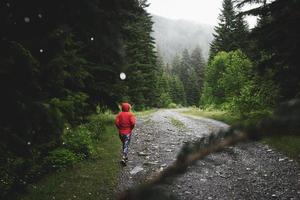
[{"x": 203, "y": 11}]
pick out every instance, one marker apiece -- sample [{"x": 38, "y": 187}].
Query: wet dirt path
[{"x": 246, "y": 171}]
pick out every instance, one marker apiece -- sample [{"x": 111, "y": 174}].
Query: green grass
[
  {"x": 177, "y": 123},
  {"x": 287, "y": 144},
  {"x": 145, "y": 113},
  {"x": 91, "y": 179},
  {"x": 213, "y": 114}
]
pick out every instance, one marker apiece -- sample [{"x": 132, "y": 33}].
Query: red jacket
[{"x": 125, "y": 120}]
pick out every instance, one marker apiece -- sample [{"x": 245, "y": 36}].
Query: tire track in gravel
[{"x": 247, "y": 171}]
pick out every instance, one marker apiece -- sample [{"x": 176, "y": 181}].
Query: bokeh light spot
[{"x": 122, "y": 76}]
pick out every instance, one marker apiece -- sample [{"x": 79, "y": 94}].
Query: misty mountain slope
[{"x": 172, "y": 36}]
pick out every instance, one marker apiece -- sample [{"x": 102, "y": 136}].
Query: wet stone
[
  {"x": 151, "y": 163},
  {"x": 143, "y": 153},
  {"x": 136, "y": 170}
]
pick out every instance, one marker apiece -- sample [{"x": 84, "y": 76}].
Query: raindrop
[
  {"x": 40, "y": 15},
  {"x": 92, "y": 39},
  {"x": 8, "y": 4},
  {"x": 122, "y": 76},
  {"x": 27, "y": 19},
  {"x": 28, "y": 143},
  {"x": 41, "y": 50}
]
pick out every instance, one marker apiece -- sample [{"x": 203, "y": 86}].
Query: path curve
[{"x": 247, "y": 171}]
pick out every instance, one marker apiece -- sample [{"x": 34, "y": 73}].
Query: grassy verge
[
  {"x": 91, "y": 179},
  {"x": 177, "y": 123},
  {"x": 287, "y": 144},
  {"x": 213, "y": 114},
  {"x": 145, "y": 113}
]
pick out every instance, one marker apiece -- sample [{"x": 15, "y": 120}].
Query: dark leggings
[{"x": 125, "y": 141}]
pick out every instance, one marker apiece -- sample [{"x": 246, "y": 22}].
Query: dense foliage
[
  {"x": 255, "y": 70},
  {"x": 232, "y": 83},
  {"x": 190, "y": 70},
  {"x": 59, "y": 60},
  {"x": 276, "y": 43}
]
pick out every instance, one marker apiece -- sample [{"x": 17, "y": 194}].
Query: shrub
[
  {"x": 11, "y": 174},
  {"x": 172, "y": 105},
  {"x": 96, "y": 125},
  {"x": 164, "y": 100},
  {"x": 78, "y": 140},
  {"x": 61, "y": 158},
  {"x": 72, "y": 106},
  {"x": 232, "y": 84}
]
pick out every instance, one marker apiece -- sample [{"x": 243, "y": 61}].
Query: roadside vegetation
[
  {"x": 245, "y": 81},
  {"x": 86, "y": 167},
  {"x": 144, "y": 113},
  {"x": 177, "y": 123},
  {"x": 287, "y": 144}
]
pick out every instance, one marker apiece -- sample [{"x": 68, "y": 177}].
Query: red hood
[{"x": 126, "y": 107}]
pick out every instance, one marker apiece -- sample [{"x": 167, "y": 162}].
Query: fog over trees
[{"x": 173, "y": 36}]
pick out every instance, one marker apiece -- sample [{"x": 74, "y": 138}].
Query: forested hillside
[{"x": 173, "y": 36}]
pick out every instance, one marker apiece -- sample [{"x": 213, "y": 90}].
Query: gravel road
[{"x": 246, "y": 171}]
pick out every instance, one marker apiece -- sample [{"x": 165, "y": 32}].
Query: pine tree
[
  {"x": 224, "y": 32},
  {"x": 241, "y": 33},
  {"x": 177, "y": 92},
  {"x": 176, "y": 66},
  {"x": 277, "y": 43},
  {"x": 140, "y": 59},
  {"x": 198, "y": 64},
  {"x": 187, "y": 75},
  {"x": 231, "y": 32}
]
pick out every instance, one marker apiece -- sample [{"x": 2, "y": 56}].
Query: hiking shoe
[{"x": 123, "y": 162}]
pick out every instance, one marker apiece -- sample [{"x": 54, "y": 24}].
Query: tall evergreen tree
[
  {"x": 177, "y": 91},
  {"x": 231, "y": 31},
  {"x": 224, "y": 32},
  {"x": 175, "y": 69},
  {"x": 198, "y": 64},
  {"x": 188, "y": 76},
  {"x": 140, "y": 59},
  {"x": 241, "y": 33},
  {"x": 277, "y": 41}
]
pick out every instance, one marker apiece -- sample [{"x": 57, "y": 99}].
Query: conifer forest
[{"x": 60, "y": 65}]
